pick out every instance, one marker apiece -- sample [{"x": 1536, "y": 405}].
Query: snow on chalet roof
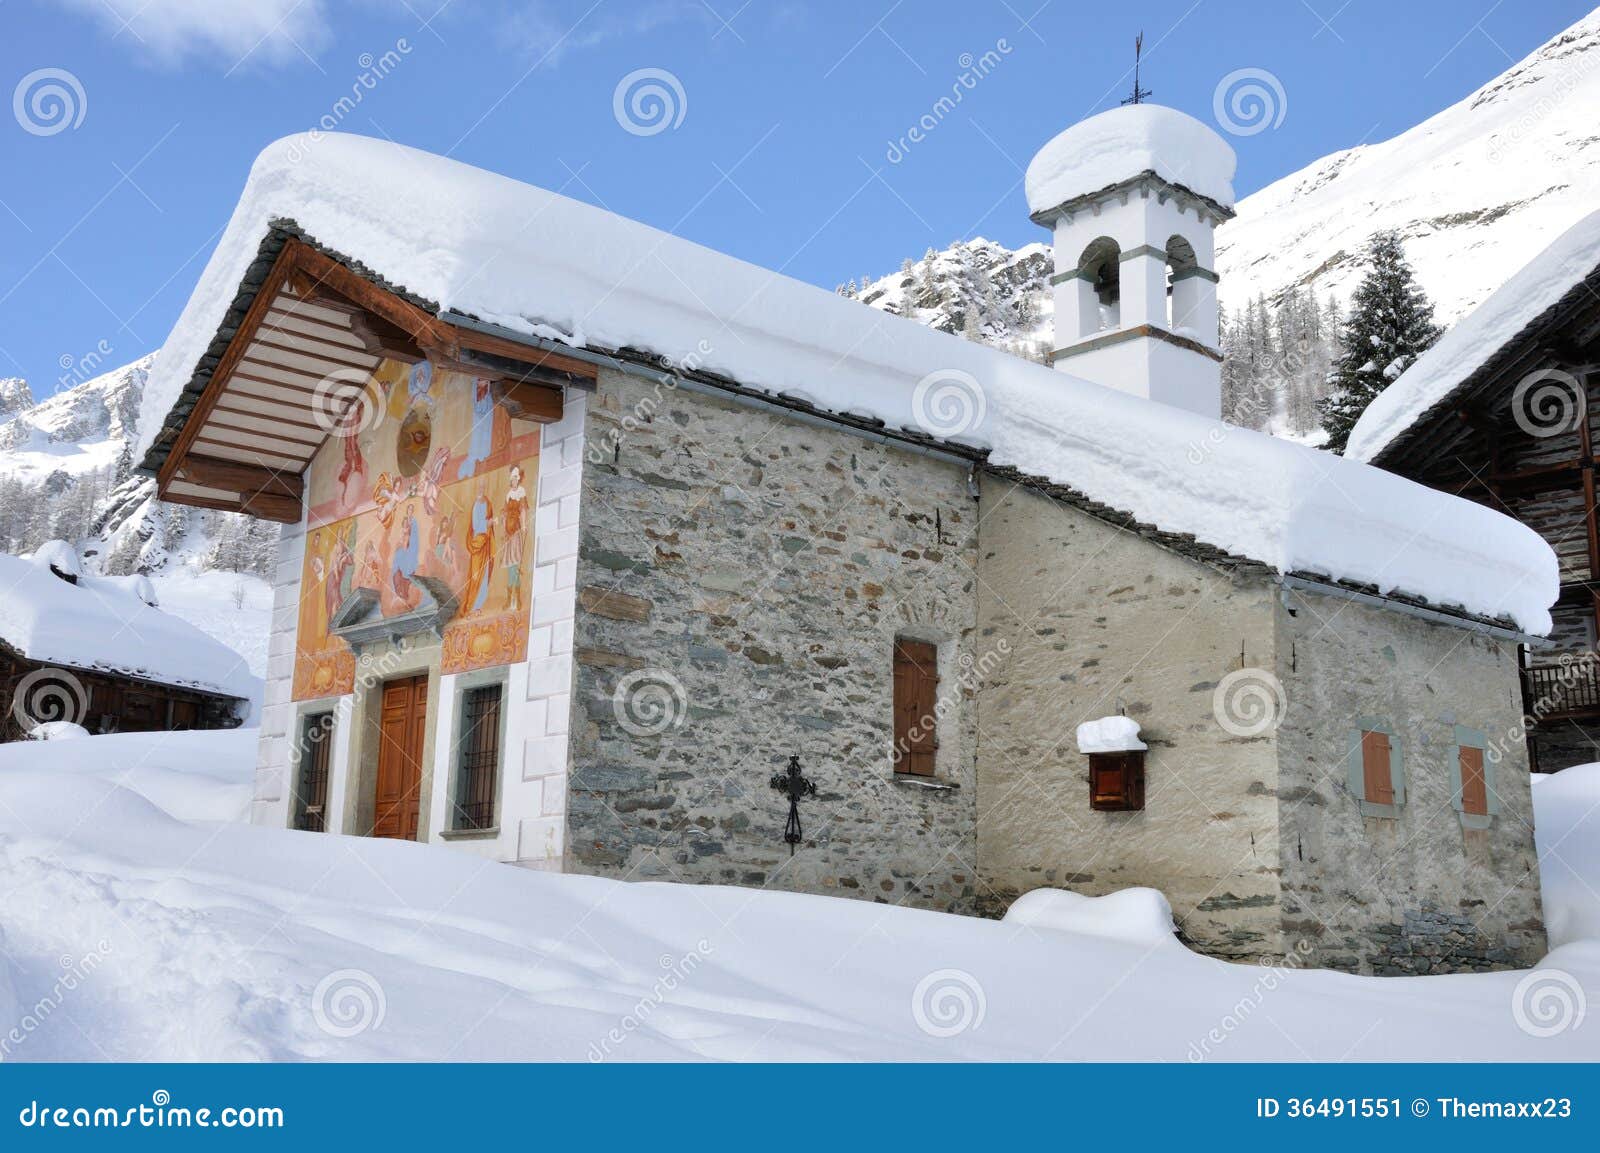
[
  {"x": 1117, "y": 145},
  {"x": 103, "y": 624},
  {"x": 518, "y": 256},
  {"x": 1474, "y": 339}
]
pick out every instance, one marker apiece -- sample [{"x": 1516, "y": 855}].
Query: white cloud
[
  {"x": 549, "y": 35},
  {"x": 229, "y": 32}
]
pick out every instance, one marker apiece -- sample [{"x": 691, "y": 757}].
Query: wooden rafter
[{"x": 245, "y": 444}]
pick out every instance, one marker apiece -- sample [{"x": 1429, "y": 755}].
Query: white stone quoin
[{"x": 1133, "y": 196}]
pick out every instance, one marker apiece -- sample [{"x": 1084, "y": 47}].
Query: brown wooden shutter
[
  {"x": 1474, "y": 788},
  {"x": 1378, "y": 783},
  {"x": 916, "y": 695}
]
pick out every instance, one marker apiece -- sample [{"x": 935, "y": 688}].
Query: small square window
[{"x": 1116, "y": 781}]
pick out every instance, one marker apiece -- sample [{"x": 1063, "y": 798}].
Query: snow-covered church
[{"x": 606, "y": 553}]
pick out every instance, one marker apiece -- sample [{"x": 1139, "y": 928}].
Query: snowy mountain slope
[
  {"x": 79, "y": 430},
  {"x": 1474, "y": 192},
  {"x": 60, "y": 460}
]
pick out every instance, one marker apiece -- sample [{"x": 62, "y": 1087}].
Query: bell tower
[{"x": 1133, "y": 197}]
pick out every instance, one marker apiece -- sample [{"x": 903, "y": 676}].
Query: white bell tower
[{"x": 1133, "y": 196}]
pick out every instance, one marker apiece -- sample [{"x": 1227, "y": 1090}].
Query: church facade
[{"x": 579, "y": 605}]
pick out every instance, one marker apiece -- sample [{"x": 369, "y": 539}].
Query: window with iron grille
[
  {"x": 478, "y": 767},
  {"x": 311, "y": 788}
]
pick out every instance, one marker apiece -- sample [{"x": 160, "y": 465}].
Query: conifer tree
[{"x": 1389, "y": 326}]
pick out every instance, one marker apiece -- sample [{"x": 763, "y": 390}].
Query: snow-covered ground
[{"x": 149, "y": 936}]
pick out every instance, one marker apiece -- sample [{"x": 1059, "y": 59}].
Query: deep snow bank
[{"x": 229, "y": 941}]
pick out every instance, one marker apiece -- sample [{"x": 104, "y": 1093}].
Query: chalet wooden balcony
[{"x": 1563, "y": 690}]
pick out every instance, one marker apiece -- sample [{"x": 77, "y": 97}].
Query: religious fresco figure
[
  {"x": 386, "y": 498},
  {"x": 336, "y": 586},
  {"x": 481, "y": 443},
  {"x": 371, "y": 568},
  {"x": 480, "y": 550},
  {"x": 403, "y": 566},
  {"x": 445, "y": 553},
  {"x": 514, "y": 518},
  {"x": 427, "y": 483},
  {"x": 354, "y": 464},
  {"x": 419, "y": 385}
]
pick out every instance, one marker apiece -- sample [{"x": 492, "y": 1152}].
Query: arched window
[
  {"x": 1180, "y": 261},
  {"x": 1100, "y": 265}
]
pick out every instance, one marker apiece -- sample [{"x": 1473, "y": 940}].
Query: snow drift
[{"x": 197, "y": 940}]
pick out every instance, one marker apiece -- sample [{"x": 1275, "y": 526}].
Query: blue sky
[{"x": 778, "y": 151}]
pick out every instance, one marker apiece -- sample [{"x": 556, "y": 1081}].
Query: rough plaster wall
[
  {"x": 270, "y": 805},
  {"x": 1099, "y": 620},
  {"x": 747, "y": 573},
  {"x": 1417, "y": 892}
]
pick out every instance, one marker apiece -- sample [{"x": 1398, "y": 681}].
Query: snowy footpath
[{"x": 138, "y": 922}]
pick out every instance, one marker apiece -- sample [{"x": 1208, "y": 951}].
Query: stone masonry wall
[
  {"x": 1098, "y": 620},
  {"x": 1415, "y": 892},
  {"x": 742, "y": 576}
]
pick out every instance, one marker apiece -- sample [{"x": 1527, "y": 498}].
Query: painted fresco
[{"x": 427, "y": 479}]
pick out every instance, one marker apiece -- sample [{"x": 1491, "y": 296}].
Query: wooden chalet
[{"x": 1518, "y": 429}]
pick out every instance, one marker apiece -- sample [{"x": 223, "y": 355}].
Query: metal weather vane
[
  {"x": 796, "y": 786},
  {"x": 1138, "y": 93}
]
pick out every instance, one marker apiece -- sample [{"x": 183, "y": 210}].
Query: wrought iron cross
[
  {"x": 1138, "y": 93},
  {"x": 796, "y": 786}
]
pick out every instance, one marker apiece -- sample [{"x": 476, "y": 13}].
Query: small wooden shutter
[
  {"x": 916, "y": 695},
  {"x": 1474, "y": 789},
  {"x": 1116, "y": 781},
  {"x": 1376, "y": 778}
]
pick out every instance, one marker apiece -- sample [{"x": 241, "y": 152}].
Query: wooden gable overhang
[
  {"x": 1521, "y": 434},
  {"x": 306, "y": 330}
]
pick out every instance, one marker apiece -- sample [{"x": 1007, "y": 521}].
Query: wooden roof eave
[
  {"x": 241, "y": 449},
  {"x": 1436, "y": 431}
]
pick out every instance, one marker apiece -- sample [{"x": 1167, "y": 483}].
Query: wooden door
[{"x": 400, "y": 753}]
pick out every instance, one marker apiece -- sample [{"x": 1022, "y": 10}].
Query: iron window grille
[
  {"x": 478, "y": 768},
  {"x": 311, "y": 793}
]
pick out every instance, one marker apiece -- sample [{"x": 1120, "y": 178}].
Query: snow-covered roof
[
  {"x": 103, "y": 624},
  {"x": 1123, "y": 143},
  {"x": 1110, "y": 735},
  {"x": 1473, "y": 340},
  {"x": 537, "y": 263}
]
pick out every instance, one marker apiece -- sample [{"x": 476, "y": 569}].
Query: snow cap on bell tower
[{"x": 1133, "y": 196}]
